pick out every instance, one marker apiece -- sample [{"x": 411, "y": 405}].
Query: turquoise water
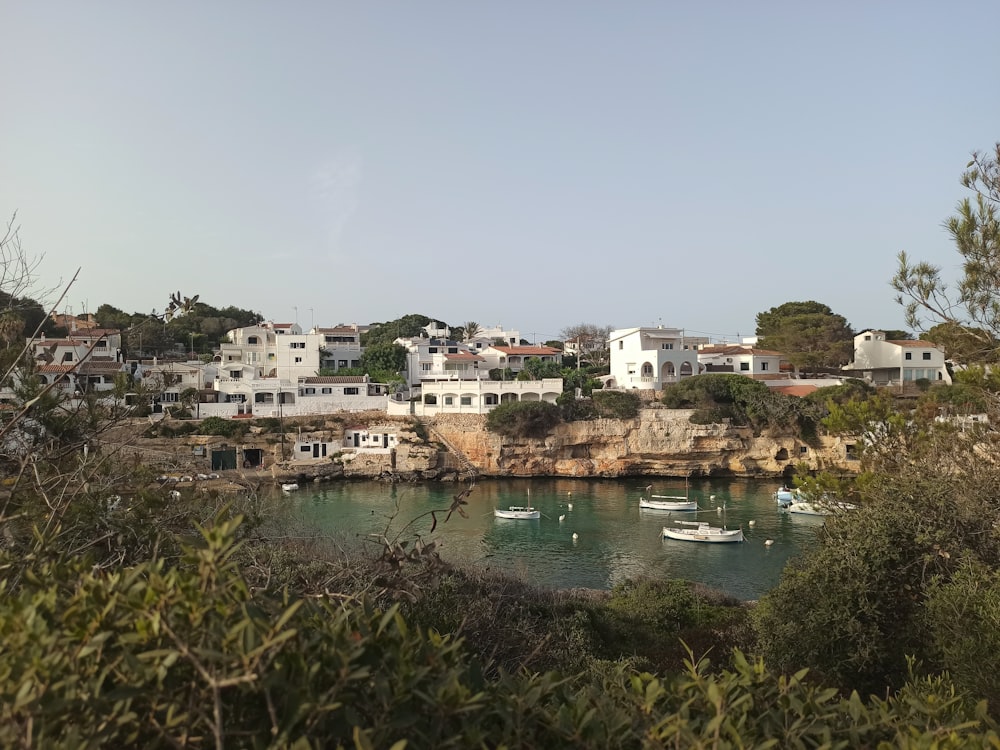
[{"x": 615, "y": 540}]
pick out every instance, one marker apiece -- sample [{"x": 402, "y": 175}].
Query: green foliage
[
  {"x": 809, "y": 334},
  {"x": 230, "y": 428},
  {"x": 384, "y": 361},
  {"x": 535, "y": 369},
  {"x": 504, "y": 373},
  {"x": 523, "y": 419},
  {"x": 386, "y": 333},
  {"x": 965, "y": 315},
  {"x": 616, "y": 404},
  {"x": 744, "y": 401}
]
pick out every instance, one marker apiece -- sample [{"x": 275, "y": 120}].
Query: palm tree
[{"x": 472, "y": 330}]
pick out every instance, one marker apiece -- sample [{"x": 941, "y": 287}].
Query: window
[
  {"x": 803, "y": 449},
  {"x": 621, "y": 345},
  {"x": 298, "y": 359},
  {"x": 425, "y": 366},
  {"x": 666, "y": 346},
  {"x": 310, "y": 391},
  {"x": 430, "y": 399},
  {"x": 432, "y": 350},
  {"x": 927, "y": 355},
  {"x": 355, "y": 363},
  {"x": 909, "y": 355},
  {"x": 327, "y": 391},
  {"x": 252, "y": 341},
  {"x": 868, "y": 338},
  {"x": 102, "y": 344},
  {"x": 448, "y": 400},
  {"x": 236, "y": 374},
  {"x": 67, "y": 357},
  {"x": 452, "y": 350},
  {"x": 744, "y": 366},
  {"x": 630, "y": 368},
  {"x": 297, "y": 345},
  {"x": 466, "y": 400},
  {"x": 350, "y": 391},
  {"x": 763, "y": 366},
  {"x": 304, "y": 449},
  {"x": 341, "y": 363}
]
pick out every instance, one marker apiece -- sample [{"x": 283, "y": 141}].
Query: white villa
[
  {"x": 650, "y": 358},
  {"x": 88, "y": 360},
  {"x": 884, "y": 362},
  {"x": 340, "y": 346},
  {"x": 741, "y": 359},
  {"x": 430, "y": 359},
  {"x": 514, "y": 357},
  {"x": 475, "y": 396}
]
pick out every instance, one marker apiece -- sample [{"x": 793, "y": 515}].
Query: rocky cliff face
[{"x": 660, "y": 442}]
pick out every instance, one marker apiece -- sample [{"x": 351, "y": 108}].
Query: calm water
[{"x": 615, "y": 540}]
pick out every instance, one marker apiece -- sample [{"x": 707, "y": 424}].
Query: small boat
[
  {"x": 289, "y": 487},
  {"x": 785, "y": 495},
  {"x": 818, "y": 508},
  {"x": 518, "y": 513},
  {"x": 668, "y": 502},
  {"x": 699, "y": 531}
]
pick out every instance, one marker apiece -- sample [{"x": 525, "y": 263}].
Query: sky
[{"x": 533, "y": 165}]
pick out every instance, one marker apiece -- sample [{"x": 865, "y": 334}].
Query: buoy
[
  {"x": 569, "y": 505},
  {"x": 768, "y": 542},
  {"x": 562, "y": 517},
  {"x": 711, "y": 497},
  {"x": 751, "y": 524},
  {"x": 175, "y": 493},
  {"x": 575, "y": 536},
  {"x": 718, "y": 508}
]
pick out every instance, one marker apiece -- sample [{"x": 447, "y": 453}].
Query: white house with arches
[
  {"x": 650, "y": 358},
  {"x": 475, "y": 396}
]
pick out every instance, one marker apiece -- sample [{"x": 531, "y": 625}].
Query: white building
[
  {"x": 340, "y": 346},
  {"x": 475, "y": 396},
  {"x": 884, "y": 362},
  {"x": 515, "y": 357},
  {"x": 650, "y": 358},
  {"x": 89, "y": 360},
  {"x": 739, "y": 359}
]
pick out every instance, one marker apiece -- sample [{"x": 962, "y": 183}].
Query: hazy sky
[{"x": 532, "y": 164}]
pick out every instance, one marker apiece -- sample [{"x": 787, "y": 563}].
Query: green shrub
[
  {"x": 617, "y": 404},
  {"x": 230, "y": 428},
  {"x": 523, "y": 419}
]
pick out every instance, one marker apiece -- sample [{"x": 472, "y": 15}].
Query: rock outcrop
[{"x": 660, "y": 442}]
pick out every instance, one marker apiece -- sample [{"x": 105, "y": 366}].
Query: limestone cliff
[{"x": 659, "y": 442}]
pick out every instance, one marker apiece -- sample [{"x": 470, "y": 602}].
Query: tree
[
  {"x": 591, "y": 342},
  {"x": 386, "y": 333},
  {"x": 809, "y": 334},
  {"x": 973, "y": 306},
  {"x": 384, "y": 361},
  {"x": 470, "y": 330}
]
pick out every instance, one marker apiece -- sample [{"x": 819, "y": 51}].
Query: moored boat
[
  {"x": 668, "y": 502},
  {"x": 699, "y": 531},
  {"x": 518, "y": 513},
  {"x": 289, "y": 487}
]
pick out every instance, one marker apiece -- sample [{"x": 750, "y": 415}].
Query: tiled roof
[
  {"x": 464, "y": 357},
  {"x": 734, "y": 349},
  {"x": 795, "y": 390},
  {"x": 913, "y": 344}
]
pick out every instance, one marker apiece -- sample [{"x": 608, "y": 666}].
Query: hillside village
[{"x": 272, "y": 370}]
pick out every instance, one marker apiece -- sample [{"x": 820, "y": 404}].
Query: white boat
[
  {"x": 785, "y": 495},
  {"x": 289, "y": 487},
  {"x": 668, "y": 502},
  {"x": 699, "y": 531},
  {"x": 818, "y": 508},
  {"x": 518, "y": 513}
]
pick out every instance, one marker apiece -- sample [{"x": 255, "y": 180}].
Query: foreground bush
[{"x": 159, "y": 656}]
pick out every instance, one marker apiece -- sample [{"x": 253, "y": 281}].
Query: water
[{"x": 615, "y": 540}]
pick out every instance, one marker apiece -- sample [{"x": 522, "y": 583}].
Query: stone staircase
[{"x": 454, "y": 458}]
